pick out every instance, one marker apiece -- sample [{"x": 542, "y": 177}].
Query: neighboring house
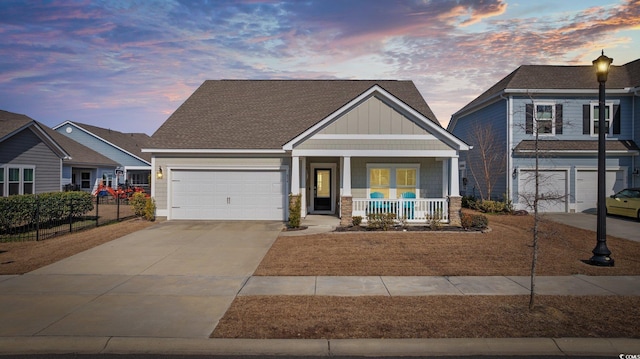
[
  {"x": 560, "y": 105},
  {"x": 33, "y": 156},
  {"x": 134, "y": 166},
  {"x": 236, "y": 149}
]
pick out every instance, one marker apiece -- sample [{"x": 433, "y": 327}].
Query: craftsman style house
[{"x": 237, "y": 149}]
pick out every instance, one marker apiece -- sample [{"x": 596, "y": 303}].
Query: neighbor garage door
[
  {"x": 587, "y": 187},
  {"x": 552, "y": 185},
  {"x": 242, "y": 195}
]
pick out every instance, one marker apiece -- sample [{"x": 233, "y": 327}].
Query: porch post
[
  {"x": 295, "y": 175},
  {"x": 303, "y": 187},
  {"x": 454, "y": 186},
  {"x": 455, "y": 201},
  {"x": 346, "y": 201},
  {"x": 346, "y": 176}
]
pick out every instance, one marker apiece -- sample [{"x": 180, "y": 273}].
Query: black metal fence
[{"x": 106, "y": 209}]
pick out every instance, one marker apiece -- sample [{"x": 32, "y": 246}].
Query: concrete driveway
[
  {"x": 621, "y": 227},
  {"x": 174, "y": 279}
]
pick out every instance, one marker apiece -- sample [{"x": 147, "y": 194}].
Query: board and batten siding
[
  {"x": 204, "y": 162},
  {"x": 26, "y": 149},
  {"x": 493, "y": 117},
  {"x": 431, "y": 174},
  {"x": 373, "y": 117}
]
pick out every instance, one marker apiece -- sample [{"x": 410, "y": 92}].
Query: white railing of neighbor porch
[{"x": 412, "y": 210}]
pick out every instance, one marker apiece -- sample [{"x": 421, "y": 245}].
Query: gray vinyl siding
[
  {"x": 204, "y": 162},
  {"x": 121, "y": 157},
  {"x": 431, "y": 175},
  {"x": 495, "y": 116},
  {"x": 373, "y": 117},
  {"x": 26, "y": 149}
]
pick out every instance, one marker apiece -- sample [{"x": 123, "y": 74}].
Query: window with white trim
[
  {"x": 595, "y": 121},
  {"x": 543, "y": 118},
  {"x": 392, "y": 180},
  {"x": 19, "y": 180}
]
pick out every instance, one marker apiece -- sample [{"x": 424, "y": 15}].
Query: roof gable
[
  {"x": 386, "y": 99},
  {"x": 267, "y": 114},
  {"x": 129, "y": 143}
]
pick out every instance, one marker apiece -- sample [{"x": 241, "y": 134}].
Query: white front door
[{"x": 224, "y": 194}]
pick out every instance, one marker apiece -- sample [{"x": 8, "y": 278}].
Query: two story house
[{"x": 553, "y": 108}]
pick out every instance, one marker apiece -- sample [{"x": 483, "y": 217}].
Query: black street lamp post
[{"x": 602, "y": 254}]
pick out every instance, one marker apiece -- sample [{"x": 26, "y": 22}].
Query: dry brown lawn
[
  {"x": 315, "y": 317},
  {"x": 506, "y": 250},
  {"x": 23, "y": 257}
]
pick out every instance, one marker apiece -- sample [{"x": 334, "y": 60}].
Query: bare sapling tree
[
  {"x": 490, "y": 162},
  {"x": 541, "y": 193}
]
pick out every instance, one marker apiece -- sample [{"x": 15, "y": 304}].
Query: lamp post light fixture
[{"x": 602, "y": 254}]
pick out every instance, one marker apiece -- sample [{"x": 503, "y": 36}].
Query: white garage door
[
  {"x": 587, "y": 187},
  {"x": 552, "y": 185},
  {"x": 243, "y": 195}
]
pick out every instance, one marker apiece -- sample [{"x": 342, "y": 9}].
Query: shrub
[
  {"x": 138, "y": 202},
  {"x": 382, "y": 221},
  {"x": 494, "y": 206},
  {"x": 356, "y": 220},
  {"x": 45, "y": 207},
  {"x": 469, "y": 202},
  {"x": 473, "y": 221},
  {"x": 294, "y": 211},
  {"x": 433, "y": 220},
  {"x": 150, "y": 209}
]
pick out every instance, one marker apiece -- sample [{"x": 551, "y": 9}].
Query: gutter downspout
[
  {"x": 509, "y": 164},
  {"x": 633, "y": 131}
]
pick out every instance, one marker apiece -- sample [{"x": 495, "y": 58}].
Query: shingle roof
[
  {"x": 266, "y": 114},
  {"x": 80, "y": 154},
  {"x": 130, "y": 142},
  {"x": 12, "y": 122},
  {"x": 526, "y": 146},
  {"x": 535, "y": 77}
]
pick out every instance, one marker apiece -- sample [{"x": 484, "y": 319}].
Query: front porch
[{"x": 415, "y": 189}]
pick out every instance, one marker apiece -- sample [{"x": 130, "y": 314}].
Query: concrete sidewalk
[{"x": 459, "y": 285}]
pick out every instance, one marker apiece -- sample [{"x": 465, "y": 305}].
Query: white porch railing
[{"x": 412, "y": 210}]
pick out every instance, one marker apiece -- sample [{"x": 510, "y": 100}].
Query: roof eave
[{"x": 213, "y": 150}]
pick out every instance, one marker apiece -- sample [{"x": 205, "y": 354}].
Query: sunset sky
[{"x": 127, "y": 65}]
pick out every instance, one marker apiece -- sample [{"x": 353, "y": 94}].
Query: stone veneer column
[
  {"x": 455, "y": 204},
  {"x": 346, "y": 211}
]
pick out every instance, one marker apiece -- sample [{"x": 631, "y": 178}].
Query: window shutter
[
  {"x": 586, "y": 119},
  {"x": 558, "y": 119},
  {"x": 616, "y": 119},
  {"x": 529, "y": 118}
]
